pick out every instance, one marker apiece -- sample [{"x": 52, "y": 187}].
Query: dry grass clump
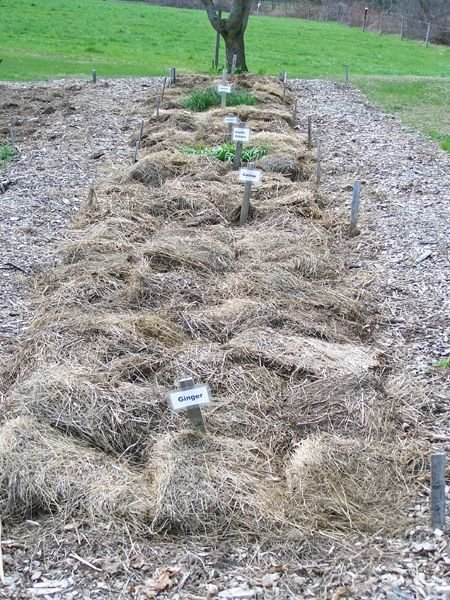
[
  {"x": 300, "y": 356},
  {"x": 301, "y": 201},
  {"x": 173, "y": 289},
  {"x": 291, "y": 249},
  {"x": 350, "y": 405},
  {"x": 351, "y": 484},
  {"x": 189, "y": 249},
  {"x": 119, "y": 418},
  {"x": 206, "y": 484},
  {"x": 284, "y": 164},
  {"x": 235, "y": 315},
  {"x": 270, "y": 90},
  {"x": 96, "y": 339},
  {"x": 43, "y": 471}
]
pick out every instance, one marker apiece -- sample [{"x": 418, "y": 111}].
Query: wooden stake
[
  {"x": 402, "y": 23},
  {"x": 284, "y": 85},
  {"x": 194, "y": 413},
  {"x": 141, "y": 130},
  {"x": 366, "y": 10},
  {"x": 136, "y": 151},
  {"x": 12, "y": 137},
  {"x": 238, "y": 155},
  {"x": 346, "y": 73},
  {"x": 245, "y": 208},
  {"x": 309, "y": 133},
  {"x": 173, "y": 76},
  {"x": 381, "y": 23},
  {"x": 94, "y": 76},
  {"x": 318, "y": 167},
  {"x": 2, "y": 573},
  {"x": 163, "y": 89},
  {"x": 294, "y": 115},
  {"x": 158, "y": 105},
  {"x": 355, "y": 207},
  {"x": 427, "y": 37},
  {"x": 437, "y": 495}
]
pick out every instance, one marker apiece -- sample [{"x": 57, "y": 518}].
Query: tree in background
[{"x": 232, "y": 29}]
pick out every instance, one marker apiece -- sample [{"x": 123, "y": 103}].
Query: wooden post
[
  {"x": 223, "y": 99},
  {"x": 136, "y": 151},
  {"x": 173, "y": 75},
  {"x": 355, "y": 207},
  {"x": 141, "y": 130},
  {"x": 294, "y": 115},
  {"x": 437, "y": 495},
  {"x": 233, "y": 64},
  {"x": 318, "y": 166},
  {"x": 163, "y": 89},
  {"x": 238, "y": 155},
  {"x": 230, "y": 126},
  {"x": 402, "y": 24},
  {"x": 366, "y": 10},
  {"x": 217, "y": 48},
  {"x": 2, "y": 574},
  {"x": 245, "y": 208},
  {"x": 309, "y": 133},
  {"x": 194, "y": 413},
  {"x": 427, "y": 37},
  {"x": 381, "y": 23},
  {"x": 346, "y": 73},
  {"x": 285, "y": 78},
  {"x": 158, "y": 104},
  {"x": 12, "y": 137},
  {"x": 94, "y": 76}
]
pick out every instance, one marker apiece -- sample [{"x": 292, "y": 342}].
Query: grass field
[{"x": 67, "y": 38}]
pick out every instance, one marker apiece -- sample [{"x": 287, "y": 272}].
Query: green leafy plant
[
  {"x": 227, "y": 151},
  {"x": 6, "y": 154},
  {"x": 200, "y": 100},
  {"x": 443, "y": 363}
]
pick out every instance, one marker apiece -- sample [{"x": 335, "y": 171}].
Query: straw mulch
[
  {"x": 347, "y": 483},
  {"x": 42, "y": 471},
  {"x": 206, "y": 484},
  {"x": 157, "y": 282}
]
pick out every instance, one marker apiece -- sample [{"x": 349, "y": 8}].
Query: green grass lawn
[
  {"x": 423, "y": 103},
  {"x": 42, "y": 39}
]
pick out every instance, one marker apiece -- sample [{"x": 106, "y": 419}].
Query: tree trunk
[
  {"x": 231, "y": 29},
  {"x": 234, "y": 45}
]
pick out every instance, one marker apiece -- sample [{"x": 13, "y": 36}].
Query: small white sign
[
  {"x": 231, "y": 119},
  {"x": 253, "y": 175},
  {"x": 241, "y": 134},
  {"x": 224, "y": 89},
  {"x": 183, "y": 399}
]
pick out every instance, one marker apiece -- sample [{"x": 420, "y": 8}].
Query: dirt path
[{"x": 402, "y": 253}]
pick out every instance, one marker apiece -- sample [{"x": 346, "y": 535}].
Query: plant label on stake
[
  {"x": 223, "y": 89},
  {"x": 249, "y": 176},
  {"x": 241, "y": 134},
  {"x": 231, "y": 120},
  {"x": 190, "y": 397}
]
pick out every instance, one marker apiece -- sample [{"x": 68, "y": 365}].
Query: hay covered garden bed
[{"x": 159, "y": 282}]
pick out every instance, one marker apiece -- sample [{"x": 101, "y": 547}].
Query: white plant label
[
  {"x": 253, "y": 175},
  {"x": 224, "y": 89},
  {"x": 231, "y": 119},
  {"x": 183, "y": 399},
  {"x": 241, "y": 134}
]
